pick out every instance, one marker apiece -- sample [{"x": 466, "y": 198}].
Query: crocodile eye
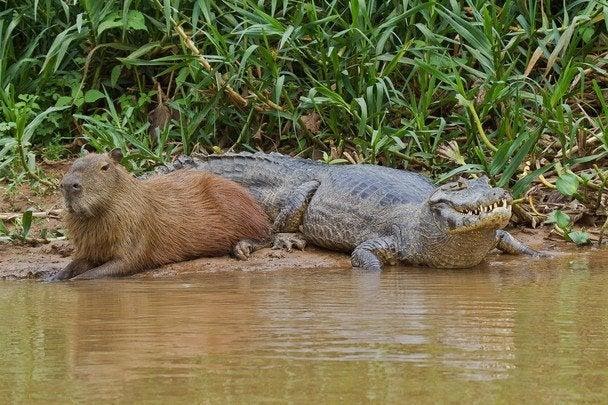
[
  {"x": 440, "y": 205},
  {"x": 457, "y": 185}
]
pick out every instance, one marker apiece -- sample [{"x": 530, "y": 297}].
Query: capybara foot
[
  {"x": 243, "y": 249},
  {"x": 58, "y": 276}
]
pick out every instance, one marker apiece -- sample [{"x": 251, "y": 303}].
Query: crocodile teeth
[{"x": 504, "y": 203}]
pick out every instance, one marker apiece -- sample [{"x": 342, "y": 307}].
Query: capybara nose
[{"x": 70, "y": 185}]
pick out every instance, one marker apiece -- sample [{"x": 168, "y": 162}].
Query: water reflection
[{"x": 524, "y": 329}]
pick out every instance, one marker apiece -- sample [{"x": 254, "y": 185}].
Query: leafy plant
[
  {"x": 563, "y": 225},
  {"x": 21, "y": 230},
  {"x": 513, "y": 89}
]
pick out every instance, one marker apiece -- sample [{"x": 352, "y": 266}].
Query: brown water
[{"x": 515, "y": 330}]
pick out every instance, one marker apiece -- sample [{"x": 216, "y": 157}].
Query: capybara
[{"x": 122, "y": 225}]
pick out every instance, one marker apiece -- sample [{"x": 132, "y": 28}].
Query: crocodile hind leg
[
  {"x": 245, "y": 247},
  {"x": 372, "y": 254},
  {"x": 287, "y": 223},
  {"x": 509, "y": 244}
]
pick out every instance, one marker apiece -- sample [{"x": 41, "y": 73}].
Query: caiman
[{"x": 378, "y": 214}]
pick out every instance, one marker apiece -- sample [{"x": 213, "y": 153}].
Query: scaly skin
[{"x": 380, "y": 215}]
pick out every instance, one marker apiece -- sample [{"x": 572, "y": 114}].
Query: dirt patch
[{"x": 41, "y": 199}]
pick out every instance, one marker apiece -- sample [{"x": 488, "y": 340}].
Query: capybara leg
[
  {"x": 113, "y": 268},
  {"x": 287, "y": 241},
  {"x": 73, "y": 269},
  {"x": 245, "y": 247}
]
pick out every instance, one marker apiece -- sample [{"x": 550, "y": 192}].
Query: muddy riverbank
[{"x": 23, "y": 261}]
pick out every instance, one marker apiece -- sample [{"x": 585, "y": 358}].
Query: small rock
[{"x": 61, "y": 248}]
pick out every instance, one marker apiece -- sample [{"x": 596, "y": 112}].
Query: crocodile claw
[{"x": 287, "y": 241}]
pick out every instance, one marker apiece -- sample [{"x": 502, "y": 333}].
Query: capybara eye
[{"x": 105, "y": 167}]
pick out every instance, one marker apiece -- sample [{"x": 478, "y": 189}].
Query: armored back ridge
[{"x": 381, "y": 215}]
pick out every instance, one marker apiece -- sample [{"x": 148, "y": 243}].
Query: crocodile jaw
[{"x": 494, "y": 218}]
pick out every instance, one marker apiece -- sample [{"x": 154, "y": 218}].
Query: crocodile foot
[
  {"x": 364, "y": 260},
  {"x": 245, "y": 247},
  {"x": 287, "y": 241}
]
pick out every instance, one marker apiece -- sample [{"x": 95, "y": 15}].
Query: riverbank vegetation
[{"x": 514, "y": 89}]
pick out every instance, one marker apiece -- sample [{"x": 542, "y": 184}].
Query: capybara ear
[{"x": 116, "y": 155}]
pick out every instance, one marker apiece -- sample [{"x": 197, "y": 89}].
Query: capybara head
[{"x": 90, "y": 184}]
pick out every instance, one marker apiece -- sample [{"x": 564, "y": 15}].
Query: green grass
[{"x": 515, "y": 89}]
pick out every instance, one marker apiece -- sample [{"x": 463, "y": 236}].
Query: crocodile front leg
[
  {"x": 289, "y": 218},
  {"x": 509, "y": 244},
  {"x": 286, "y": 226},
  {"x": 373, "y": 253}
]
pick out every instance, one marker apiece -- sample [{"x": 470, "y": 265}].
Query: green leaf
[
  {"x": 561, "y": 219},
  {"x": 93, "y": 95},
  {"x": 579, "y": 237},
  {"x": 285, "y": 36},
  {"x": 28, "y": 131},
  {"x": 468, "y": 168},
  {"x": 136, "y": 20},
  {"x": 567, "y": 184},
  {"x": 363, "y": 117},
  {"x": 26, "y": 223},
  {"x": 500, "y": 158},
  {"x": 111, "y": 21},
  {"x": 522, "y": 184},
  {"x": 587, "y": 33},
  {"x": 63, "y": 101},
  {"x": 79, "y": 101},
  {"x": 115, "y": 74}
]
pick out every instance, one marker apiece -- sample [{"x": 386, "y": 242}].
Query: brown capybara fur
[{"x": 121, "y": 225}]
